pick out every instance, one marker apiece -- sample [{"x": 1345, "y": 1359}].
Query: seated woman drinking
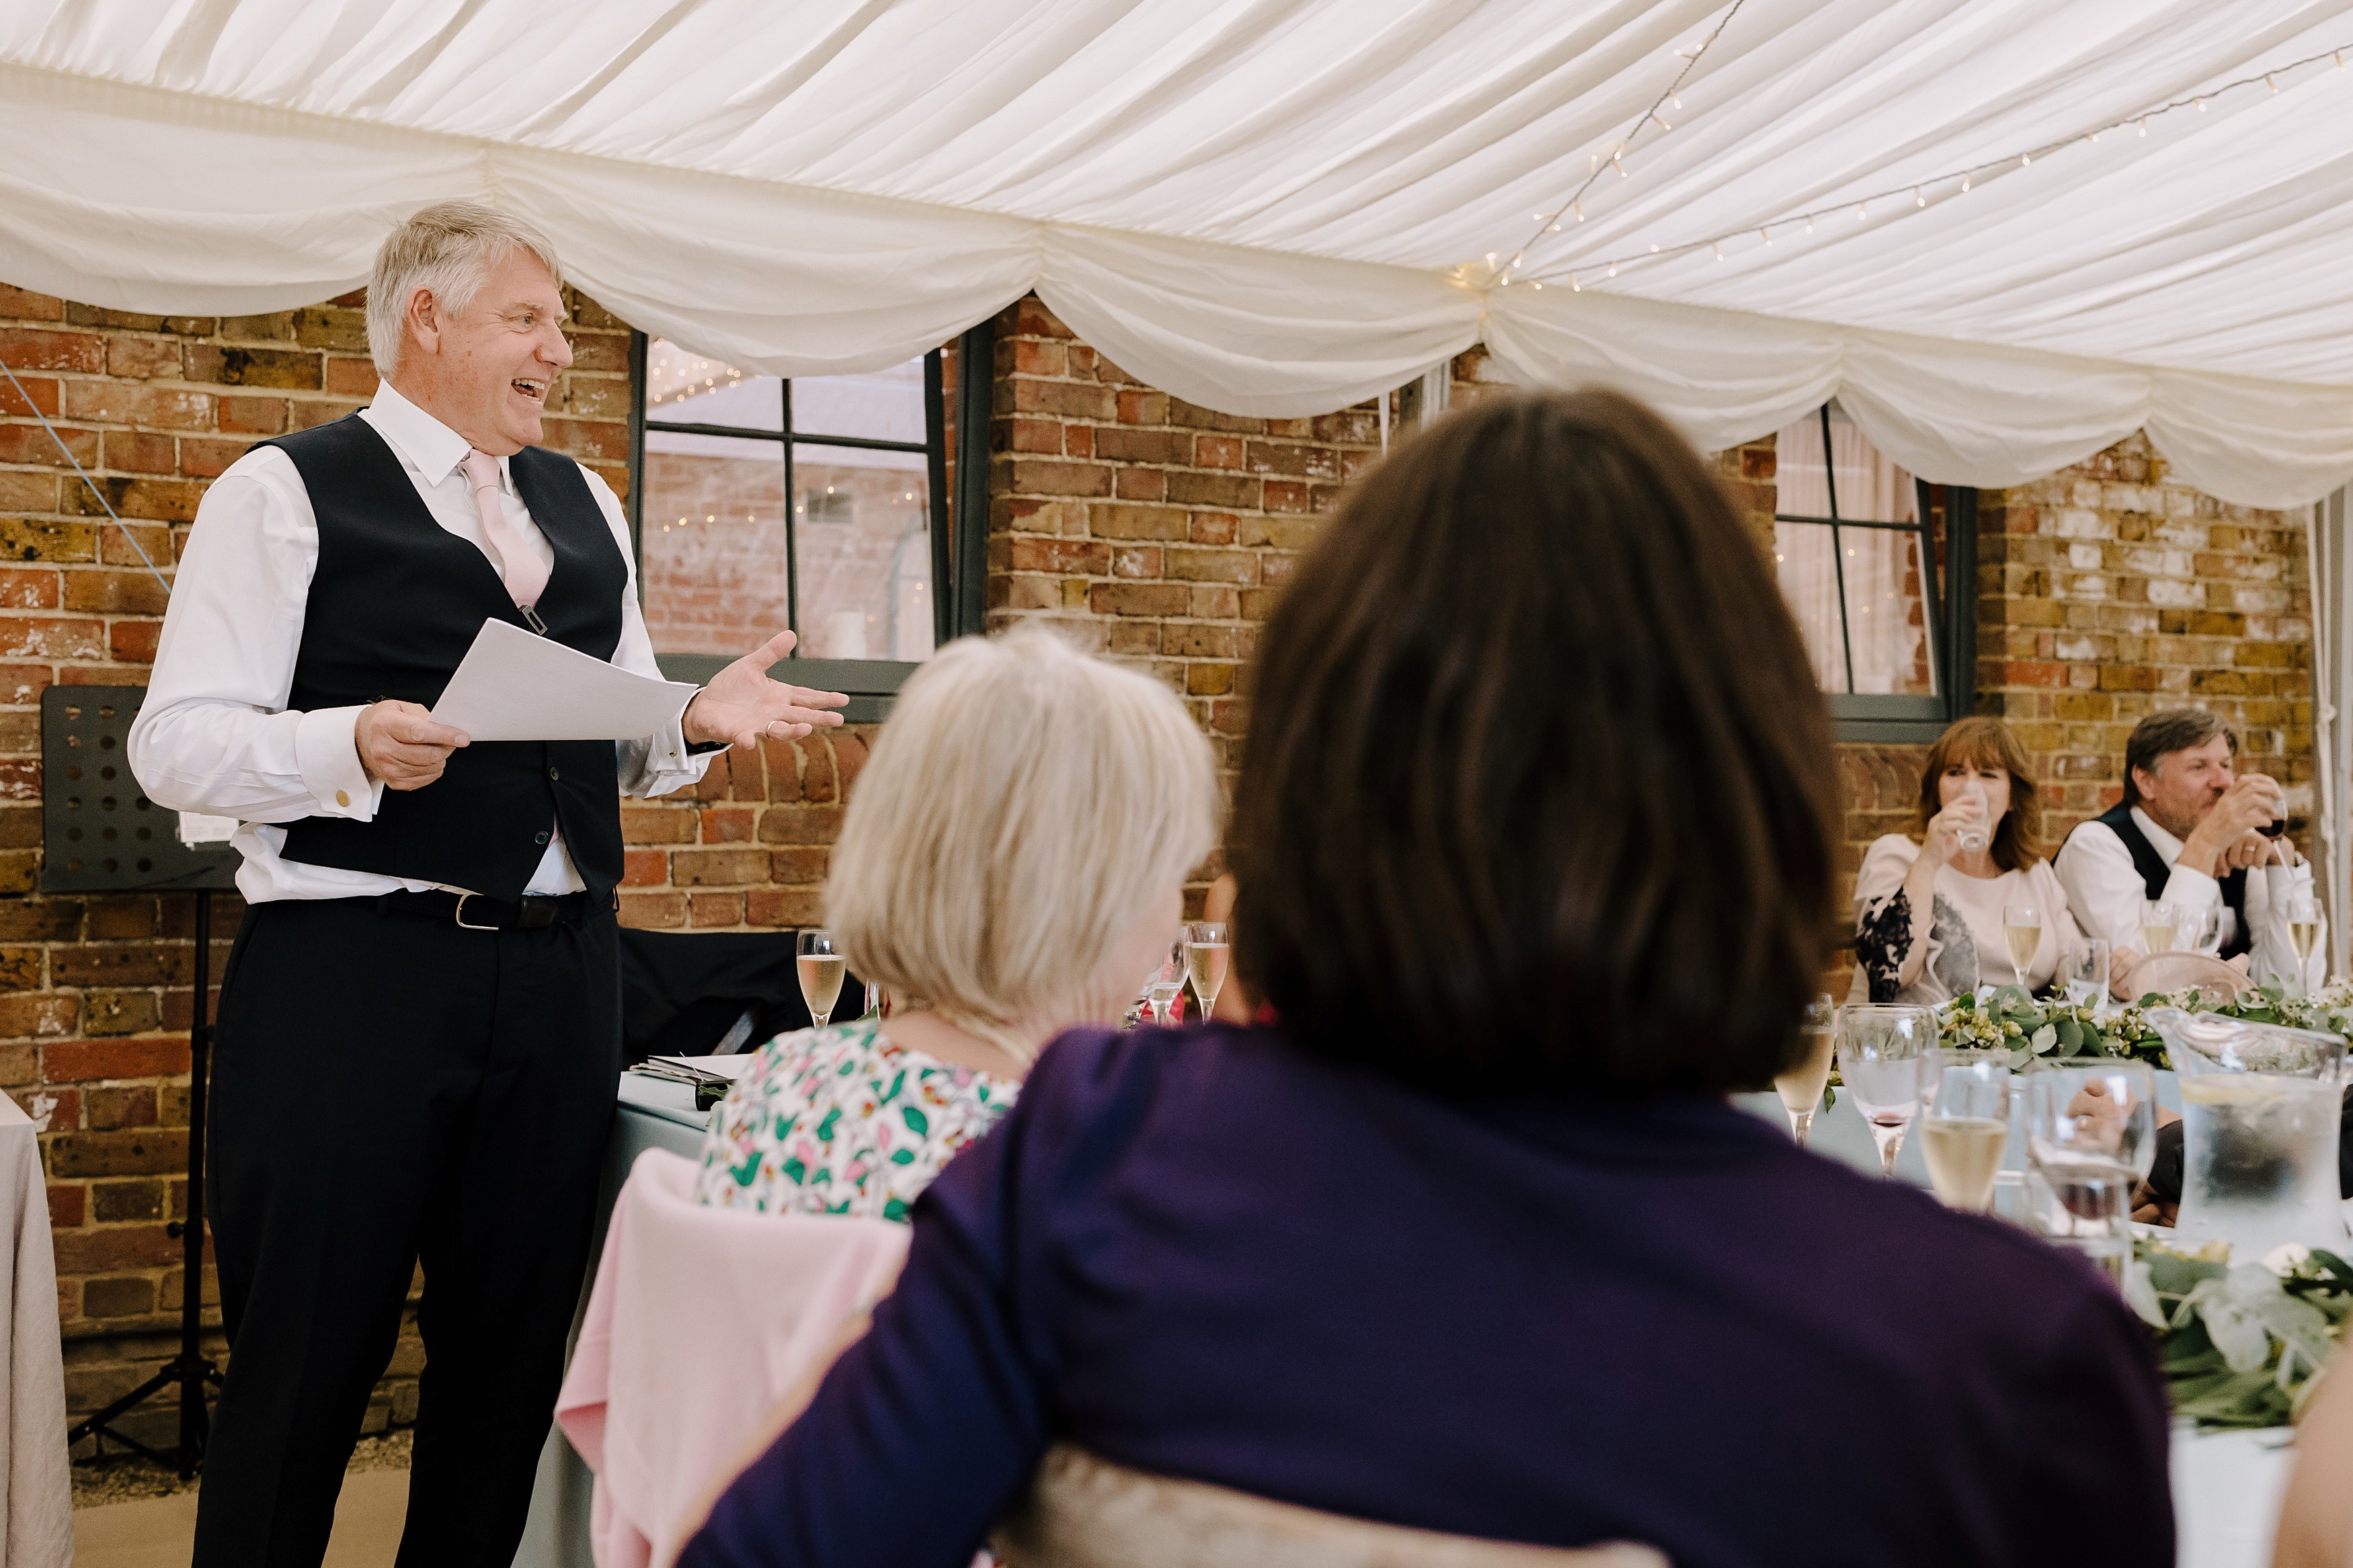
[
  {"x": 1533, "y": 838},
  {"x": 1011, "y": 864},
  {"x": 1931, "y": 905}
]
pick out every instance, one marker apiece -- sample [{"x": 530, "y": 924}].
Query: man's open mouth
[{"x": 534, "y": 390}]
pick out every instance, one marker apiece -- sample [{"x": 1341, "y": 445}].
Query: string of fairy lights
[
  {"x": 1653, "y": 115},
  {"x": 1908, "y": 198}
]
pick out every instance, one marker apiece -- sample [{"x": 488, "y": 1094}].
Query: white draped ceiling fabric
[{"x": 1282, "y": 206}]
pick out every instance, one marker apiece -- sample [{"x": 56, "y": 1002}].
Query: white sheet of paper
[
  {"x": 732, "y": 1066},
  {"x": 515, "y": 686}
]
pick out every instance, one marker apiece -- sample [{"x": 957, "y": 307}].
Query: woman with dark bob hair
[{"x": 1533, "y": 835}]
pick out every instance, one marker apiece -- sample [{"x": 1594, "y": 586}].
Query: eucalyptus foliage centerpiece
[
  {"x": 2008, "y": 1018},
  {"x": 2240, "y": 1346}
]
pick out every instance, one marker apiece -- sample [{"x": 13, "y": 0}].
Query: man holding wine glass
[{"x": 2202, "y": 840}]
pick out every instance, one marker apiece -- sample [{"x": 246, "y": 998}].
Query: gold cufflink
[{"x": 342, "y": 797}]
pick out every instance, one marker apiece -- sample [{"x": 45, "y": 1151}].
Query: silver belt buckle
[{"x": 459, "y": 913}]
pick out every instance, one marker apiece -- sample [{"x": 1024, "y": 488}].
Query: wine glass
[
  {"x": 1207, "y": 949},
  {"x": 2303, "y": 935},
  {"x": 2022, "y": 933},
  {"x": 2160, "y": 924},
  {"x": 1965, "y": 1125},
  {"x": 1800, "y": 1085},
  {"x": 2091, "y": 1135},
  {"x": 821, "y": 966},
  {"x": 1166, "y": 979},
  {"x": 2205, "y": 931},
  {"x": 2087, "y": 972},
  {"x": 1881, "y": 1053}
]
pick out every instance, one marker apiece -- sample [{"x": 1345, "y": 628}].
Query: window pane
[
  {"x": 1871, "y": 489},
  {"x": 1887, "y": 617},
  {"x": 882, "y": 406},
  {"x": 1809, "y": 576},
  {"x": 714, "y": 543},
  {"x": 864, "y": 523},
  {"x": 688, "y": 389}
]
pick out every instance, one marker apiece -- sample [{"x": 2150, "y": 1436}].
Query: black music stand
[{"x": 101, "y": 834}]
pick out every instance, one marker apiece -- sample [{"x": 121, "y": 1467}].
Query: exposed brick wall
[
  {"x": 1142, "y": 526},
  {"x": 94, "y": 990},
  {"x": 2107, "y": 591}
]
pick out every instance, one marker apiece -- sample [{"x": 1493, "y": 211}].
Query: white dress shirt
[
  {"x": 215, "y": 735},
  {"x": 2106, "y": 894}
]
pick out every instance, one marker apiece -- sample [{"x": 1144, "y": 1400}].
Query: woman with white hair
[{"x": 1012, "y": 864}]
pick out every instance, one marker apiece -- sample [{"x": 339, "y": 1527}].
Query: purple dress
[{"x": 1200, "y": 1254}]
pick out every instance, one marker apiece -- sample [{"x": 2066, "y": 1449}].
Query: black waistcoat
[
  {"x": 396, "y": 601},
  {"x": 2155, "y": 873}
]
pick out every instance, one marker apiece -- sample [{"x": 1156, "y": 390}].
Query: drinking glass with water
[
  {"x": 2086, "y": 972},
  {"x": 2090, "y": 1134}
]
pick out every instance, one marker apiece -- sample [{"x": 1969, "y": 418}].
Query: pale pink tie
[{"x": 519, "y": 563}]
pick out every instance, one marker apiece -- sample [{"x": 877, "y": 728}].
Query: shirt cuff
[
  {"x": 326, "y": 750},
  {"x": 668, "y": 750}
]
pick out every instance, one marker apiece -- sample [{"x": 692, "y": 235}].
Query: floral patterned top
[{"x": 843, "y": 1120}]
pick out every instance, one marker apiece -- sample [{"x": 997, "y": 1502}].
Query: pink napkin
[{"x": 700, "y": 1319}]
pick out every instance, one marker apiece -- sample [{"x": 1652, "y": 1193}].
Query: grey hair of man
[
  {"x": 2162, "y": 733},
  {"x": 450, "y": 248}
]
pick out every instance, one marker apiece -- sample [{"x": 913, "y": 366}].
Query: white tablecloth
[
  {"x": 653, "y": 1115},
  {"x": 37, "y": 1520}
]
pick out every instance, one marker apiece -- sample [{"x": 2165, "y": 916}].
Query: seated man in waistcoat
[
  {"x": 420, "y": 1022},
  {"x": 2192, "y": 832}
]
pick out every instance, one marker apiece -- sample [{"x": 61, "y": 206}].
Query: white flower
[{"x": 2140, "y": 1294}]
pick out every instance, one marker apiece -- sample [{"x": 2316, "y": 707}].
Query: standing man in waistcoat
[
  {"x": 419, "y": 1024},
  {"x": 2188, "y": 833}
]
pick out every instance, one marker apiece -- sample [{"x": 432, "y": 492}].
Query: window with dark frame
[
  {"x": 1868, "y": 557},
  {"x": 819, "y": 504}
]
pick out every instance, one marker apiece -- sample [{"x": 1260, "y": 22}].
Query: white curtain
[
  {"x": 1885, "y": 629},
  {"x": 1279, "y": 207}
]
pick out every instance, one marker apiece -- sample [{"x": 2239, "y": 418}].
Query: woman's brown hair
[
  {"x": 1537, "y": 792},
  {"x": 1973, "y": 743}
]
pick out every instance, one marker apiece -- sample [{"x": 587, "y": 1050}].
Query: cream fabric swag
[{"x": 1282, "y": 206}]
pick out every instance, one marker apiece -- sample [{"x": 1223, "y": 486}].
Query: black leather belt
[{"x": 477, "y": 912}]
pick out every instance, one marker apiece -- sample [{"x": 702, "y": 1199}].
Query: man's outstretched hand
[{"x": 741, "y": 705}]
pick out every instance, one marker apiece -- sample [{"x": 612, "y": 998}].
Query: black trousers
[{"x": 389, "y": 1089}]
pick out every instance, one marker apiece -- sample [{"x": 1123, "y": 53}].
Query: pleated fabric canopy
[{"x": 2003, "y": 233}]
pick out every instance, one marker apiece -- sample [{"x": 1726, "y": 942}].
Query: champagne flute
[
  {"x": 1800, "y": 1085},
  {"x": 2022, "y": 933},
  {"x": 1207, "y": 951},
  {"x": 1166, "y": 979},
  {"x": 1881, "y": 1052},
  {"x": 821, "y": 966},
  {"x": 2160, "y": 922},
  {"x": 1965, "y": 1126},
  {"x": 2303, "y": 935}
]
